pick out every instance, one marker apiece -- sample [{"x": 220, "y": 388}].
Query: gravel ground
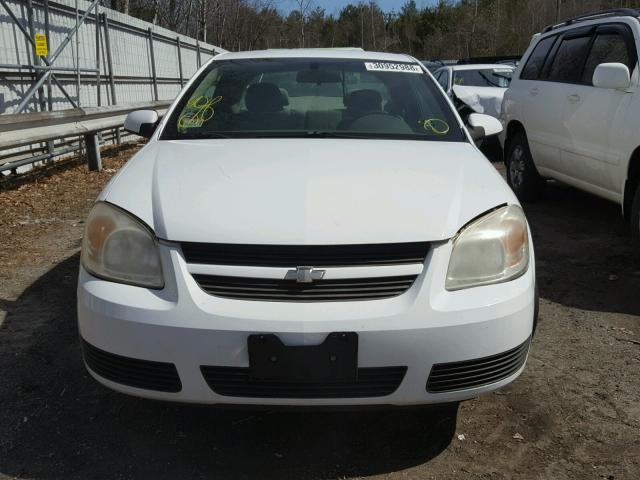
[{"x": 574, "y": 413}]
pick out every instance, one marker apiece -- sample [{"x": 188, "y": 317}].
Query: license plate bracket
[{"x": 335, "y": 359}]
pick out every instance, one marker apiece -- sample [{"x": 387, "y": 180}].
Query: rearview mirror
[
  {"x": 612, "y": 76},
  {"x": 318, "y": 76},
  {"x": 481, "y": 125},
  {"x": 142, "y": 122}
]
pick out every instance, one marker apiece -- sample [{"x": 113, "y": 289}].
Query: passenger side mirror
[
  {"x": 142, "y": 122},
  {"x": 612, "y": 76},
  {"x": 481, "y": 125}
]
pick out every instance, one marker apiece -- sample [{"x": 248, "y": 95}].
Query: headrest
[
  {"x": 264, "y": 98},
  {"x": 231, "y": 92},
  {"x": 285, "y": 97},
  {"x": 363, "y": 101}
]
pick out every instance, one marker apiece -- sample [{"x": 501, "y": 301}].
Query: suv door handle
[
  {"x": 534, "y": 91},
  {"x": 573, "y": 98}
]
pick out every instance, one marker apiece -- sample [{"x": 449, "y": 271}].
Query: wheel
[
  {"x": 635, "y": 216},
  {"x": 522, "y": 175}
]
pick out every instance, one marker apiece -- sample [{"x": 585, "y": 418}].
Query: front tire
[{"x": 522, "y": 175}]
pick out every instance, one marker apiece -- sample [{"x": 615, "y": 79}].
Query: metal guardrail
[{"x": 29, "y": 128}]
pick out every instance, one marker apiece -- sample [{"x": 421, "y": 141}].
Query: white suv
[{"x": 573, "y": 109}]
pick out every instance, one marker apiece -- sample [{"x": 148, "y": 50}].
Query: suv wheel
[
  {"x": 635, "y": 216},
  {"x": 522, "y": 175}
]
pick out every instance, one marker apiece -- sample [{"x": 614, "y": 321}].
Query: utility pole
[{"x": 558, "y": 7}]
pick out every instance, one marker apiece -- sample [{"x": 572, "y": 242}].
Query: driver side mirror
[
  {"x": 142, "y": 122},
  {"x": 613, "y": 76},
  {"x": 482, "y": 125}
]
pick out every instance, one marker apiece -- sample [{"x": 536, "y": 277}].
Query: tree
[
  {"x": 303, "y": 8},
  {"x": 121, "y": 6},
  {"x": 448, "y": 30}
]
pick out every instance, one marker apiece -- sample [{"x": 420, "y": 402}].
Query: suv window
[
  {"x": 569, "y": 59},
  {"x": 532, "y": 69},
  {"x": 607, "y": 48}
]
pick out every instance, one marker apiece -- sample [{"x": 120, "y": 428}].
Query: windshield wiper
[
  {"x": 198, "y": 135},
  {"x": 325, "y": 134},
  {"x": 290, "y": 134},
  {"x": 295, "y": 134}
]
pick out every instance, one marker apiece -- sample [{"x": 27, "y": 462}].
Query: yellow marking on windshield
[
  {"x": 198, "y": 110},
  {"x": 435, "y": 125}
]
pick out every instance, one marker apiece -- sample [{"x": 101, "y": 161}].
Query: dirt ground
[{"x": 573, "y": 414}]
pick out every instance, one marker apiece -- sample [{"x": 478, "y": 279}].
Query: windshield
[
  {"x": 489, "y": 77},
  {"x": 313, "y": 98}
]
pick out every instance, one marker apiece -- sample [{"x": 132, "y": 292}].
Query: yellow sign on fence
[{"x": 41, "y": 44}]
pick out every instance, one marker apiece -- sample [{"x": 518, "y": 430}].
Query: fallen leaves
[{"x": 59, "y": 201}]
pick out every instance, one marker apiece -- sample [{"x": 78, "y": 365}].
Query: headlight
[
  {"x": 493, "y": 249},
  {"x": 118, "y": 247}
]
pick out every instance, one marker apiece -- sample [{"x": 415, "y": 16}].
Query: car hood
[
  {"x": 307, "y": 191},
  {"x": 482, "y": 99}
]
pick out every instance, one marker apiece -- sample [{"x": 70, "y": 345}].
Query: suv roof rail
[{"x": 616, "y": 12}]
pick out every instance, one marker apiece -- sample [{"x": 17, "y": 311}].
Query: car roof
[
  {"x": 338, "y": 53},
  {"x": 585, "y": 21},
  {"x": 596, "y": 17},
  {"x": 482, "y": 66}
]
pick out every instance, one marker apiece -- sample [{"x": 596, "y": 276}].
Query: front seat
[
  {"x": 265, "y": 108},
  {"x": 264, "y": 98},
  {"x": 360, "y": 103}
]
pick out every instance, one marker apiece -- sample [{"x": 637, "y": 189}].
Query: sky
[{"x": 334, "y": 6}]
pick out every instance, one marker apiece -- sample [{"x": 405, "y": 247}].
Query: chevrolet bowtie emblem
[{"x": 305, "y": 275}]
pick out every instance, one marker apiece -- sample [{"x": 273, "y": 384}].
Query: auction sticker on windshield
[{"x": 392, "y": 67}]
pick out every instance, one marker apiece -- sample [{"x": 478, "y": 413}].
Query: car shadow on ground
[
  {"x": 57, "y": 422},
  {"x": 585, "y": 257}
]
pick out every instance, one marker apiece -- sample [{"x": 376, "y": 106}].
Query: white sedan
[
  {"x": 481, "y": 87},
  {"x": 307, "y": 227}
]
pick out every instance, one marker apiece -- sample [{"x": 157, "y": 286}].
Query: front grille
[
  {"x": 267, "y": 289},
  {"x": 318, "y": 256},
  {"x": 237, "y": 382},
  {"x": 446, "y": 377},
  {"x": 133, "y": 372}
]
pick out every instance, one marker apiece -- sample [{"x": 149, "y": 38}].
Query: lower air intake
[
  {"x": 236, "y": 382},
  {"x": 159, "y": 376},
  {"x": 447, "y": 377}
]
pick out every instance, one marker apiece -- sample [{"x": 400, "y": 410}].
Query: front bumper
[{"x": 184, "y": 326}]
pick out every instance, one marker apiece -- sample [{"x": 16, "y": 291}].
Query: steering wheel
[
  {"x": 395, "y": 122},
  {"x": 378, "y": 114}
]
